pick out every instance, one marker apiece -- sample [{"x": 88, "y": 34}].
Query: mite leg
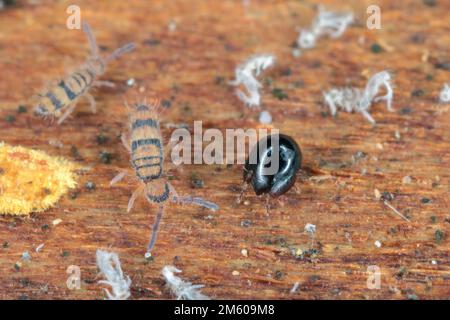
[
  {"x": 134, "y": 196},
  {"x": 67, "y": 113},
  {"x": 118, "y": 177},
  {"x": 92, "y": 102},
  {"x": 155, "y": 227},
  {"x": 192, "y": 200},
  {"x": 368, "y": 117},
  {"x": 125, "y": 138},
  {"x": 100, "y": 83},
  {"x": 91, "y": 38}
]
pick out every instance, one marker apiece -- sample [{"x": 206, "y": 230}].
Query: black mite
[{"x": 259, "y": 169}]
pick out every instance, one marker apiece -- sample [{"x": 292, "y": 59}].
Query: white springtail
[
  {"x": 182, "y": 290},
  {"x": 109, "y": 265},
  {"x": 328, "y": 23},
  {"x": 358, "y": 100},
  {"x": 246, "y": 74}
]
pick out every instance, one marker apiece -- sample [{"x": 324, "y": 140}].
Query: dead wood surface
[{"x": 189, "y": 67}]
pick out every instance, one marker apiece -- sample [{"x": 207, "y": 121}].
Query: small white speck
[
  {"x": 433, "y": 262},
  {"x": 378, "y": 244},
  {"x": 235, "y": 273},
  {"x": 295, "y": 287},
  {"x": 147, "y": 255},
  {"x": 265, "y": 117},
  {"x": 56, "y": 222},
  {"x": 131, "y": 82},
  {"x": 296, "y": 53},
  {"x": 26, "y": 256},
  {"x": 406, "y": 180},
  {"x": 39, "y": 247},
  {"x": 397, "y": 135},
  {"x": 310, "y": 228},
  {"x": 172, "y": 26},
  {"x": 244, "y": 252}
]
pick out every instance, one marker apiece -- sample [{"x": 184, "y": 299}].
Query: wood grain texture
[{"x": 190, "y": 67}]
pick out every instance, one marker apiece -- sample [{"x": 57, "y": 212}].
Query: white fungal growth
[
  {"x": 358, "y": 100},
  {"x": 109, "y": 265},
  {"x": 183, "y": 290},
  {"x": 328, "y": 23},
  {"x": 246, "y": 74},
  {"x": 444, "y": 96}
]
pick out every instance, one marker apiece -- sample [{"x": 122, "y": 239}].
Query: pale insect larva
[
  {"x": 145, "y": 144},
  {"x": 60, "y": 100}
]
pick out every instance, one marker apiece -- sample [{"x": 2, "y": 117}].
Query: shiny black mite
[{"x": 273, "y": 183}]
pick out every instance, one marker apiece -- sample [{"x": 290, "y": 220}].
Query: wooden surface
[{"x": 190, "y": 67}]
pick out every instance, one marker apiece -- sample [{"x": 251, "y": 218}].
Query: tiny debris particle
[
  {"x": 295, "y": 287},
  {"x": 379, "y": 146},
  {"x": 418, "y": 93},
  {"x": 376, "y": 48},
  {"x": 434, "y": 262},
  {"x": 244, "y": 252},
  {"x": 397, "y": 135},
  {"x": 378, "y": 244},
  {"x": 26, "y": 256},
  {"x": 105, "y": 157},
  {"x": 310, "y": 228},
  {"x": 39, "y": 247},
  {"x": 166, "y": 103},
  {"x": 131, "y": 82},
  {"x": 235, "y": 273},
  {"x": 425, "y": 200},
  {"x": 433, "y": 219},
  {"x": 412, "y": 296},
  {"x": 101, "y": 139},
  {"x": 443, "y": 65},
  {"x": 246, "y": 223},
  {"x": 377, "y": 194},
  {"x": 279, "y": 275},
  {"x": 406, "y": 180},
  {"x": 429, "y": 3},
  {"x": 279, "y": 94},
  {"x": 56, "y": 221},
  {"x": 17, "y": 265},
  {"x": 148, "y": 256},
  {"x": 21, "y": 109},
  {"x": 5, "y": 244},
  {"x": 152, "y": 42},
  {"x": 10, "y": 118},
  {"x": 265, "y": 117},
  {"x": 196, "y": 182},
  {"x": 90, "y": 185},
  {"x": 65, "y": 254},
  {"x": 439, "y": 236}
]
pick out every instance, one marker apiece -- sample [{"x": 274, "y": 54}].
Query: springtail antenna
[
  {"x": 197, "y": 201},
  {"x": 91, "y": 38},
  {"x": 155, "y": 227},
  {"x": 118, "y": 52}
]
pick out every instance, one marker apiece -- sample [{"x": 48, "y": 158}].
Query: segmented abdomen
[
  {"x": 66, "y": 91},
  {"x": 146, "y": 149}
]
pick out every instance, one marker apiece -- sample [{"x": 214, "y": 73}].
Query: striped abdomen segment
[
  {"x": 146, "y": 149},
  {"x": 66, "y": 91}
]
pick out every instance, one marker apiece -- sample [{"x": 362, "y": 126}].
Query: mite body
[
  {"x": 60, "y": 100},
  {"x": 145, "y": 144},
  {"x": 265, "y": 179}
]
